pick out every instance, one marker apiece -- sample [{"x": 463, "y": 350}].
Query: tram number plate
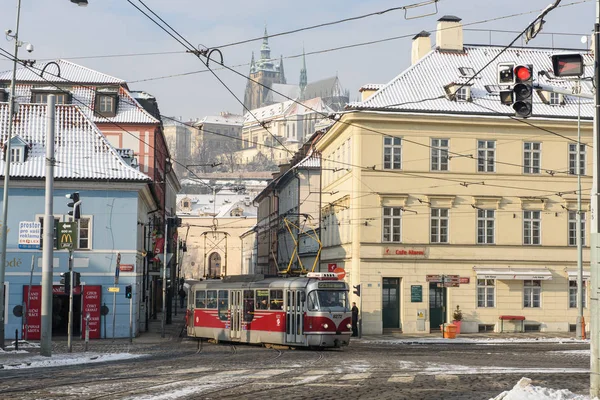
[{"x": 338, "y": 316}]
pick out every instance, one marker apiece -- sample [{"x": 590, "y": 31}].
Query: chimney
[
  {"x": 449, "y": 35},
  {"x": 421, "y": 45}
]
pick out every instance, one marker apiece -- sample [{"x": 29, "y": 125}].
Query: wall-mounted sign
[
  {"x": 465, "y": 279},
  {"x": 331, "y": 267},
  {"x": 126, "y": 267},
  {"x": 29, "y": 235},
  {"x": 405, "y": 252},
  {"x": 416, "y": 294}
]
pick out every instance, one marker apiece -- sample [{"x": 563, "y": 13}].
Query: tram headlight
[
  {"x": 325, "y": 326},
  {"x": 348, "y": 326}
]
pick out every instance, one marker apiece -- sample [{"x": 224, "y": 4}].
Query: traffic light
[
  {"x": 76, "y": 279},
  {"x": 128, "y": 291},
  {"x": 567, "y": 64},
  {"x": 356, "y": 290},
  {"x": 523, "y": 90},
  {"x": 506, "y": 74},
  {"x": 66, "y": 280},
  {"x": 76, "y": 205}
]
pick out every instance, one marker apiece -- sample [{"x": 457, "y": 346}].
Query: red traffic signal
[{"x": 523, "y": 73}]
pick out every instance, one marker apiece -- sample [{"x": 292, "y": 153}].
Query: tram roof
[{"x": 253, "y": 282}]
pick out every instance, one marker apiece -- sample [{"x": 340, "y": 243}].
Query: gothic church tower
[{"x": 264, "y": 71}]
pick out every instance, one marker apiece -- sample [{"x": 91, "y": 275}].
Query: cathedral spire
[
  {"x": 252, "y": 65},
  {"x": 281, "y": 71},
  {"x": 303, "y": 77},
  {"x": 265, "y": 51}
]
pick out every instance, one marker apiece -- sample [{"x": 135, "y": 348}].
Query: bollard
[
  {"x": 87, "y": 331},
  {"x": 17, "y": 339}
]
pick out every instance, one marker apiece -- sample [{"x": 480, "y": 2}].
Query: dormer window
[
  {"x": 106, "y": 103},
  {"x": 550, "y": 98},
  {"x": 17, "y": 154},
  {"x": 463, "y": 94},
  {"x": 41, "y": 96},
  {"x": 466, "y": 71},
  {"x": 554, "y": 99},
  {"x": 3, "y": 96}
]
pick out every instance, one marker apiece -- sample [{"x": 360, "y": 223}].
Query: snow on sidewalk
[
  {"x": 37, "y": 361},
  {"x": 524, "y": 390}
]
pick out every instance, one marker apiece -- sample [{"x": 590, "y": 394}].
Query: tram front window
[{"x": 328, "y": 300}]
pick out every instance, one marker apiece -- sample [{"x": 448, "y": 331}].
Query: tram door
[
  {"x": 235, "y": 330},
  {"x": 295, "y": 303}
]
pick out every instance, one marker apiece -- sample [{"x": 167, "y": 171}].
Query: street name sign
[
  {"x": 29, "y": 235},
  {"x": 113, "y": 289}
]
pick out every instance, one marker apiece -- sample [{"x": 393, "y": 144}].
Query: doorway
[
  {"x": 214, "y": 265},
  {"x": 437, "y": 305},
  {"x": 391, "y": 303},
  {"x": 60, "y": 314}
]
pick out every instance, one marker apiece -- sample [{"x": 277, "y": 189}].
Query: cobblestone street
[{"x": 367, "y": 369}]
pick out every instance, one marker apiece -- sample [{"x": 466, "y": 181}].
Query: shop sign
[
  {"x": 405, "y": 252},
  {"x": 126, "y": 267},
  {"x": 416, "y": 294},
  {"x": 92, "y": 296}
]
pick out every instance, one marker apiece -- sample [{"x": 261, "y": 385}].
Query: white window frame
[
  {"x": 103, "y": 103},
  {"x": 89, "y": 229},
  {"x": 532, "y": 221},
  {"x": 487, "y": 287},
  {"x": 439, "y": 153},
  {"x": 40, "y": 218},
  {"x": 573, "y": 158},
  {"x": 486, "y": 156},
  {"x": 436, "y": 221},
  {"x": 572, "y": 228},
  {"x": 532, "y": 289},
  {"x": 389, "y": 144},
  {"x": 530, "y": 151},
  {"x": 573, "y": 293},
  {"x": 391, "y": 218},
  {"x": 16, "y": 154},
  {"x": 462, "y": 94},
  {"x": 554, "y": 99},
  {"x": 483, "y": 221}
]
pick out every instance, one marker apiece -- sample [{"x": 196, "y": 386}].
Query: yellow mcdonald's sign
[
  {"x": 66, "y": 238},
  {"x": 67, "y": 232}
]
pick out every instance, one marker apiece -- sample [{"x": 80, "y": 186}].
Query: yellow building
[{"x": 420, "y": 181}]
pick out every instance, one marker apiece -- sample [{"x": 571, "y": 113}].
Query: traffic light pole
[
  {"x": 48, "y": 250},
  {"x": 595, "y": 224},
  {"x": 131, "y": 319},
  {"x": 164, "y": 282},
  {"x": 70, "y": 327}
]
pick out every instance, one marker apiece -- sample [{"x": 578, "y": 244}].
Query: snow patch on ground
[
  {"x": 480, "y": 341},
  {"x": 575, "y": 352},
  {"x": 523, "y": 390},
  {"x": 68, "y": 359}
]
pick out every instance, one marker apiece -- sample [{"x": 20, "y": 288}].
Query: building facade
[
  {"x": 116, "y": 200},
  {"x": 421, "y": 182}
]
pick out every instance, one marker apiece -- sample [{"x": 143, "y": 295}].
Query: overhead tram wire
[
  {"x": 325, "y": 50},
  {"x": 335, "y": 161},
  {"x": 197, "y": 53},
  {"x": 192, "y": 48}
]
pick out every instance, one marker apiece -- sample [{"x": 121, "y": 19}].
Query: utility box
[{"x": 421, "y": 318}]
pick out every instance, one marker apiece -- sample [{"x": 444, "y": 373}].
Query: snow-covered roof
[
  {"x": 83, "y": 92},
  {"x": 420, "y": 88},
  {"x": 371, "y": 86},
  {"x": 81, "y": 150},
  {"x": 68, "y": 72},
  {"x": 267, "y": 112},
  {"x": 309, "y": 106},
  {"x": 222, "y": 205},
  {"x": 228, "y": 119}
]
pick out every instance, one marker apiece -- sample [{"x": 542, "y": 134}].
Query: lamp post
[{"x": 11, "y": 111}]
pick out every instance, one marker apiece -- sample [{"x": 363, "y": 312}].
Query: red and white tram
[{"x": 310, "y": 311}]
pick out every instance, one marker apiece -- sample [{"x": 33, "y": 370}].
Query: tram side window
[
  {"x": 248, "y": 305},
  {"x": 200, "y": 299},
  {"x": 313, "y": 302},
  {"x": 276, "y": 299},
  {"x": 262, "y": 299},
  {"x": 223, "y": 304},
  {"x": 211, "y": 299}
]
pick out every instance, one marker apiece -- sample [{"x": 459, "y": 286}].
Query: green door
[
  {"x": 437, "y": 305},
  {"x": 391, "y": 303}
]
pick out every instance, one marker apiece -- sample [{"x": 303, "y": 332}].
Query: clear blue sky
[{"x": 59, "y": 29}]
